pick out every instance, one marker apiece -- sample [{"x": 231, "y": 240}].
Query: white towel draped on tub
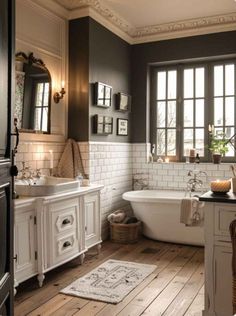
[{"x": 191, "y": 212}]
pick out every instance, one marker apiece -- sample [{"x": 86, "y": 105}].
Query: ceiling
[
  {"x": 144, "y": 20},
  {"x": 150, "y": 12}
]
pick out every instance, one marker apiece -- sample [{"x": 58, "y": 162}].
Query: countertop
[
  {"x": 22, "y": 200},
  {"x": 229, "y": 197}
]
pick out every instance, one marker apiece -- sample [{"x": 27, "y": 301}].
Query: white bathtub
[{"x": 159, "y": 210}]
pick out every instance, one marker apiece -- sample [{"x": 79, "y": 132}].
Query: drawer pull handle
[
  {"x": 65, "y": 221},
  {"x": 66, "y": 244}
]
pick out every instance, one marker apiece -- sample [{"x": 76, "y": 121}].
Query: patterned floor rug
[{"x": 111, "y": 281}]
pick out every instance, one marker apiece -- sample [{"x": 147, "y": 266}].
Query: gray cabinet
[
  {"x": 223, "y": 281},
  {"x": 218, "y": 257}
]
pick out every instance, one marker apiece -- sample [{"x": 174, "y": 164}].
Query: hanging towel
[
  {"x": 70, "y": 164},
  {"x": 191, "y": 212}
]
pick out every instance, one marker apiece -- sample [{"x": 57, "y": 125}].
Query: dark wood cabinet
[{"x": 6, "y": 205}]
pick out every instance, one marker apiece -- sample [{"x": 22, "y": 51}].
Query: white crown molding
[
  {"x": 185, "y": 28},
  {"x": 72, "y": 9}
]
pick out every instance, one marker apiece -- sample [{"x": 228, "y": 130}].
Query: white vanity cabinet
[
  {"x": 64, "y": 224},
  {"x": 25, "y": 250},
  {"x": 218, "y": 259},
  {"x": 92, "y": 220},
  {"x": 55, "y": 229}
]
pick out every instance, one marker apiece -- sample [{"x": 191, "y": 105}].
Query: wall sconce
[{"x": 59, "y": 95}]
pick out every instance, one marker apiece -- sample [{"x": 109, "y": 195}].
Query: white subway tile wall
[
  {"x": 37, "y": 156},
  {"x": 111, "y": 165},
  {"x": 173, "y": 175}
]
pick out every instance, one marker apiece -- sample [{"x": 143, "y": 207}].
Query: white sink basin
[{"x": 45, "y": 185}]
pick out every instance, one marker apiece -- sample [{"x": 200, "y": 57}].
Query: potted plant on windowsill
[{"x": 218, "y": 146}]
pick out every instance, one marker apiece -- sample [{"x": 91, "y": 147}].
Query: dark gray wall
[
  {"x": 78, "y": 111},
  {"x": 109, "y": 62},
  {"x": 95, "y": 55},
  {"x": 144, "y": 55}
]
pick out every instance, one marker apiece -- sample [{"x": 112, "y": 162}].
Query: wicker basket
[{"x": 125, "y": 233}]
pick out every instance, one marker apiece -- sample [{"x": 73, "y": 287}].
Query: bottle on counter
[{"x": 197, "y": 158}]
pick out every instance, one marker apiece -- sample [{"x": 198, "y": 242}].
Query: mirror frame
[{"x": 31, "y": 60}]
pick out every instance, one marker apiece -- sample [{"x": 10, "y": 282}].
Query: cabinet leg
[
  {"x": 81, "y": 258},
  {"x": 99, "y": 247},
  {"x": 15, "y": 286},
  {"x": 41, "y": 278}
]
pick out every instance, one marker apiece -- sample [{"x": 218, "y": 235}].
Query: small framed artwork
[
  {"x": 122, "y": 127},
  {"x": 123, "y": 102},
  {"x": 102, "y": 95},
  {"x": 102, "y": 125}
]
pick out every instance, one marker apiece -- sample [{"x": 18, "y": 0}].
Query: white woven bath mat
[{"x": 111, "y": 281}]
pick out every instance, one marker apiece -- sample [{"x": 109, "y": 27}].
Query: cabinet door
[
  {"x": 223, "y": 281},
  {"x": 6, "y": 209},
  {"x": 63, "y": 231},
  {"x": 92, "y": 219},
  {"x": 25, "y": 245}
]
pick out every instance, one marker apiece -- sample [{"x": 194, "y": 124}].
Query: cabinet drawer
[
  {"x": 224, "y": 215},
  {"x": 64, "y": 247},
  {"x": 63, "y": 216}
]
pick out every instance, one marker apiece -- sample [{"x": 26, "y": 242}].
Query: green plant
[{"x": 218, "y": 145}]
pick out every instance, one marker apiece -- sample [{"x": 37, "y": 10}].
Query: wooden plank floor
[{"x": 175, "y": 288}]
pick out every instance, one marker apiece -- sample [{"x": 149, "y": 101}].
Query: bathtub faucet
[
  {"x": 140, "y": 183},
  {"x": 195, "y": 183}
]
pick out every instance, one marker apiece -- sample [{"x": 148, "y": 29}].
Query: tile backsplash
[
  {"x": 36, "y": 155},
  {"x": 173, "y": 175}
]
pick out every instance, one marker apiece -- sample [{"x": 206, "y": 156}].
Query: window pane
[
  {"x": 229, "y": 132},
  {"x": 199, "y": 141},
  {"x": 39, "y": 95},
  {"x": 161, "y": 142},
  {"x": 218, "y": 111},
  {"x": 188, "y": 113},
  {"x": 219, "y": 131},
  {"x": 172, "y": 84},
  {"x": 161, "y": 85},
  {"x": 188, "y": 83},
  {"x": 37, "y": 118},
  {"x": 188, "y": 141},
  {"x": 218, "y": 81},
  {"x": 161, "y": 114},
  {"x": 171, "y": 142},
  {"x": 45, "y": 120},
  {"x": 46, "y": 93},
  {"x": 229, "y": 79},
  {"x": 199, "y": 112},
  {"x": 229, "y": 111},
  {"x": 171, "y": 116},
  {"x": 199, "y": 82}
]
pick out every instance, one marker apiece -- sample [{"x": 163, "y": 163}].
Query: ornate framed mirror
[{"x": 32, "y": 94}]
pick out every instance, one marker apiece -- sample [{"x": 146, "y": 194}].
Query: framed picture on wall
[
  {"x": 122, "y": 127},
  {"x": 102, "y": 95},
  {"x": 102, "y": 125},
  {"x": 123, "y": 102}
]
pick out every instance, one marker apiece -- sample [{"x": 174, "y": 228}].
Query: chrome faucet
[
  {"x": 195, "y": 183},
  {"x": 139, "y": 183},
  {"x": 29, "y": 175}
]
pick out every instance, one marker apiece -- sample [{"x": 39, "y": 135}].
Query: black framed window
[{"x": 186, "y": 99}]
